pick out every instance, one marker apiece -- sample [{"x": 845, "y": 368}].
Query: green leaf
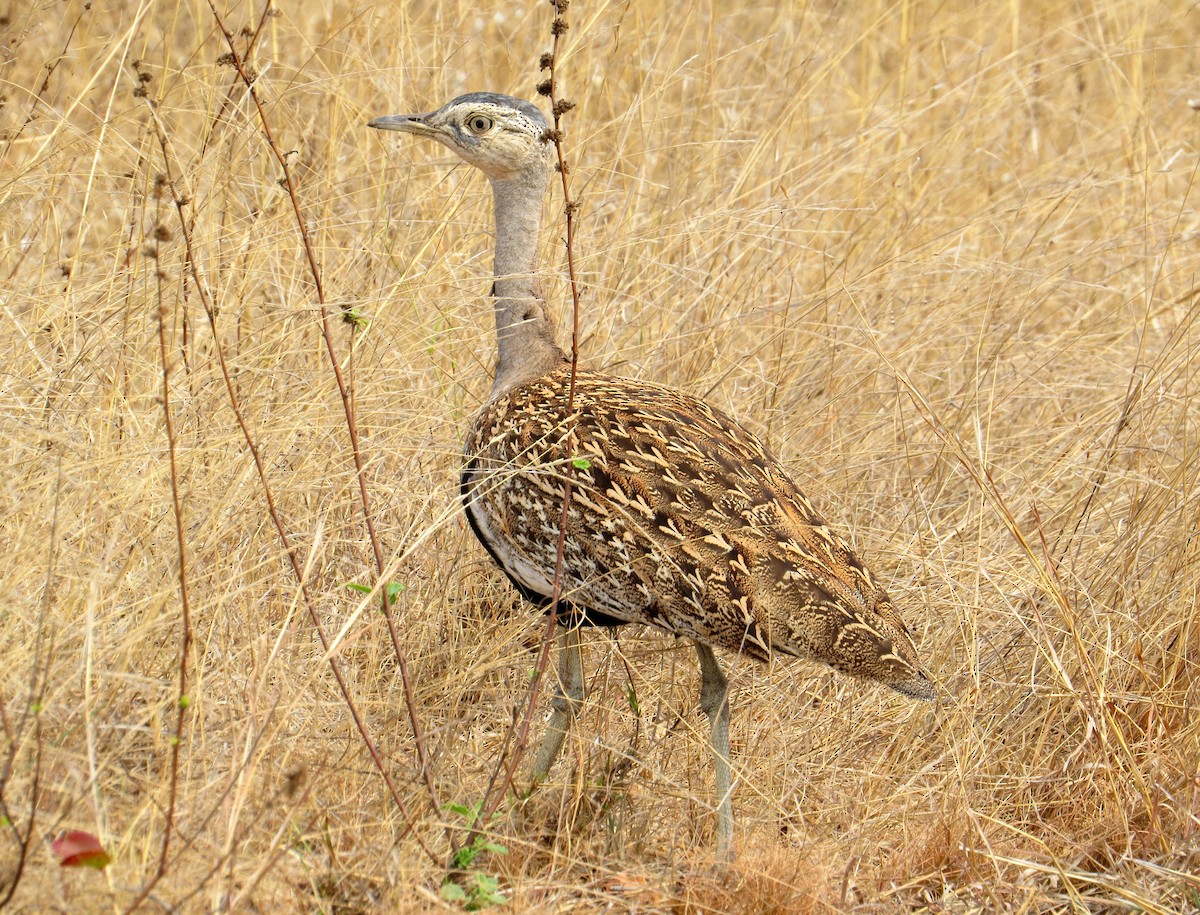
[
  {"x": 355, "y": 318},
  {"x": 581, "y": 464},
  {"x": 452, "y": 892},
  {"x": 392, "y": 589},
  {"x": 463, "y": 810},
  {"x": 485, "y": 892},
  {"x": 465, "y": 856}
]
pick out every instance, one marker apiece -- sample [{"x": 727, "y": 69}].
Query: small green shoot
[
  {"x": 1193, "y": 897},
  {"x": 478, "y": 892},
  {"x": 467, "y": 811},
  {"x": 355, "y": 318},
  {"x": 581, "y": 463},
  {"x": 465, "y": 856},
  {"x": 472, "y": 891},
  {"x": 393, "y": 590}
]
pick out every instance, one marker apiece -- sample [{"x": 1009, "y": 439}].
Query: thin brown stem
[
  {"x": 37, "y": 689},
  {"x": 181, "y": 200},
  {"x": 248, "y": 78},
  {"x": 185, "y": 642},
  {"x": 227, "y": 101},
  {"x": 51, "y": 66},
  {"x": 559, "y": 107}
]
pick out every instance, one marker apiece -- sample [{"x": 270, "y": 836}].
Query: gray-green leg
[
  {"x": 568, "y": 698},
  {"x": 714, "y": 699}
]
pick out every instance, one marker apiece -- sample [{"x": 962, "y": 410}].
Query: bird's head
[{"x": 502, "y": 136}]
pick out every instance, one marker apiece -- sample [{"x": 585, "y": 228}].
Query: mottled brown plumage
[{"x": 678, "y": 517}]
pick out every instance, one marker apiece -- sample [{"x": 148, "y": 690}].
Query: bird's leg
[
  {"x": 568, "y": 698},
  {"x": 714, "y": 699}
]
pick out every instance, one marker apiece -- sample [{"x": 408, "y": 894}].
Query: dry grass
[{"x": 942, "y": 256}]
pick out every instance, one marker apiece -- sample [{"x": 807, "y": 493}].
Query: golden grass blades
[{"x": 941, "y": 256}]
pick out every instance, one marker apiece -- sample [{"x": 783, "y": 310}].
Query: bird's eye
[{"x": 479, "y": 123}]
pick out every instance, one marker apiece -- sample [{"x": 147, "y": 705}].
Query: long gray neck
[{"x": 526, "y": 336}]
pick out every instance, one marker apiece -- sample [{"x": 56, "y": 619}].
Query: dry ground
[{"x": 942, "y": 256}]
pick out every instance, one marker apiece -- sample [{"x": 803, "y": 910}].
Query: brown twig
[
  {"x": 23, "y": 841},
  {"x": 559, "y": 107},
  {"x": 181, "y": 200},
  {"x": 248, "y": 77},
  {"x": 33, "y": 707},
  {"x": 12, "y": 138},
  {"x": 185, "y": 643},
  {"x": 51, "y": 66},
  {"x": 227, "y": 101}
]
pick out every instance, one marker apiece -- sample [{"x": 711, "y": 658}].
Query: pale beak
[{"x": 405, "y": 123}]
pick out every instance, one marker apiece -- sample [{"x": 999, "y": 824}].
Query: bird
[{"x": 678, "y": 517}]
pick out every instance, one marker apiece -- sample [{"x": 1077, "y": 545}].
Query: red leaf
[{"x": 79, "y": 849}]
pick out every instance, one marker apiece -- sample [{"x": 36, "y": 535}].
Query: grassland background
[{"x": 942, "y": 256}]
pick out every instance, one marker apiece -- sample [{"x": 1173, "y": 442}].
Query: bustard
[{"x": 679, "y": 517}]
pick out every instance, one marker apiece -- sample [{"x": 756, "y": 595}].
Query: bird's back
[{"x": 679, "y": 518}]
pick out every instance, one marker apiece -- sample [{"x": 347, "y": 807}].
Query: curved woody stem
[
  {"x": 559, "y": 107},
  {"x": 248, "y": 77}
]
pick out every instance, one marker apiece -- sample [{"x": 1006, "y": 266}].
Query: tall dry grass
[{"x": 943, "y": 256}]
